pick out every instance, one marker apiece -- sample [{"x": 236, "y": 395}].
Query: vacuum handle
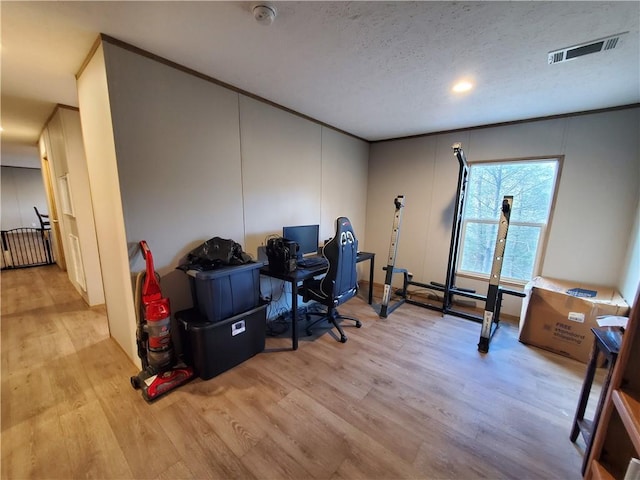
[
  {"x": 151, "y": 289},
  {"x": 145, "y": 249}
]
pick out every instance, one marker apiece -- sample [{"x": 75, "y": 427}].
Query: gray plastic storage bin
[{"x": 227, "y": 291}]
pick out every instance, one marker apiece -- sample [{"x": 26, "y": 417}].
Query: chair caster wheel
[
  {"x": 358, "y": 324},
  {"x": 343, "y": 339}
]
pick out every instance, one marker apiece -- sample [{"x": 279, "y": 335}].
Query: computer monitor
[{"x": 306, "y": 236}]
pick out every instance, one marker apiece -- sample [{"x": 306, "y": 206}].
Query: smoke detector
[
  {"x": 594, "y": 46},
  {"x": 264, "y": 14}
]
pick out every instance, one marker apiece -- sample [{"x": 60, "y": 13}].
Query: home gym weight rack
[
  {"x": 493, "y": 300},
  {"x": 390, "y": 269}
]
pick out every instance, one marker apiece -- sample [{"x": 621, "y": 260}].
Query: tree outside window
[{"x": 532, "y": 184}]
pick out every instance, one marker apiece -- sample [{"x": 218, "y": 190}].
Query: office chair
[
  {"x": 43, "y": 218},
  {"x": 340, "y": 282}
]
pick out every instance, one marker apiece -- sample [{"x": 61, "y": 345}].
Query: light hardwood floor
[{"x": 406, "y": 397}]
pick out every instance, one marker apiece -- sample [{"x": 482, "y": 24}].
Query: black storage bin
[
  {"x": 227, "y": 291},
  {"x": 213, "y": 348}
]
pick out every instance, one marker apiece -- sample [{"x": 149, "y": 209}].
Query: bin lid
[{"x": 223, "y": 271}]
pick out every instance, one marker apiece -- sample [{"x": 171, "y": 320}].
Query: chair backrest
[
  {"x": 341, "y": 279},
  {"x": 43, "y": 218}
]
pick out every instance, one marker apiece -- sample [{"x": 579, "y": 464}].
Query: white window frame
[
  {"x": 65, "y": 195},
  {"x": 544, "y": 227}
]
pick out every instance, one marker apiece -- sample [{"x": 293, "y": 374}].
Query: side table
[{"x": 607, "y": 341}]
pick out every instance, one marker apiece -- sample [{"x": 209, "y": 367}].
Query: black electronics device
[
  {"x": 306, "y": 236},
  {"x": 282, "y": 254}
]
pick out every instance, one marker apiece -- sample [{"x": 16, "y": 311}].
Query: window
[{"x": 532, "y": 183}]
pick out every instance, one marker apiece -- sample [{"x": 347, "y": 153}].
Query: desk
[
  {"x": 300, "y": 275},
  {"x": 363, "y": 257}
]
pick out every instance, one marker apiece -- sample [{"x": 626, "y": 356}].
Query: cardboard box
[{"x": 558, "y": 315}]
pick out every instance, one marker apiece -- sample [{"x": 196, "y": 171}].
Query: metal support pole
[
  {"x": 391, "y": 260},
  {"x": 492, "y": 305}
]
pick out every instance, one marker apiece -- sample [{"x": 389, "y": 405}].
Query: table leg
[
  {"x": 584, "y": 394},
  {"x": 294, "y": 315},
  {"x": 596, "y": 417},
  {"x": 371, "y": 268}
]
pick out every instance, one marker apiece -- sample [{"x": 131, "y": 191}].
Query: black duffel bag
[{"x": 215, "y": 253}]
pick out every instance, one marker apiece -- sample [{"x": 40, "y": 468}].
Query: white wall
[
  {"x": 21, "y": 190},
  {"x": 195, "y": 160},
  {"x": 593, "y": 217},
  {"x": 178, "y": 154},
  {"x": 52, "y": 140},
  {"x": 281, "y": 170},
  {"x": 345, "y": 166},
  {"x": 65, "y": 153},
  {"x": 19, "y": 155},
  {"x": 83, "y": 206},
  {"x": 296, "y": 172},
  {"x": 597, "y": 198},
  {"x": 93, "y": 97},
  {"x": 425, "y": 171},
  {"x": 630, "y": 282}
]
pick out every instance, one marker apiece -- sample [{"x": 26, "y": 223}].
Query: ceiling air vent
[{"x": 595, "y": 46}]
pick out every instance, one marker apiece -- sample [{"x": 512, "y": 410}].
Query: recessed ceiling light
[{"x": 462, "y": 86}]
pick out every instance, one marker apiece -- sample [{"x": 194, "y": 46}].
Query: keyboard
[{"x": 311, "y": 262}]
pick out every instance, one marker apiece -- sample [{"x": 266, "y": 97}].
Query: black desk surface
[
  {"x": 609, "y": 339},
  {"x": 301, "y": 274}
]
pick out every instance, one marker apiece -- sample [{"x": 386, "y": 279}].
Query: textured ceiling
[{"x": 377, "y": 70}]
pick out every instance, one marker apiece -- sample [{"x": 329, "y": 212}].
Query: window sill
[{"x": 508, "y": 282}]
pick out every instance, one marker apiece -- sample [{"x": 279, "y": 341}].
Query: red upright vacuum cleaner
[{"x": 160, "y": 372}]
